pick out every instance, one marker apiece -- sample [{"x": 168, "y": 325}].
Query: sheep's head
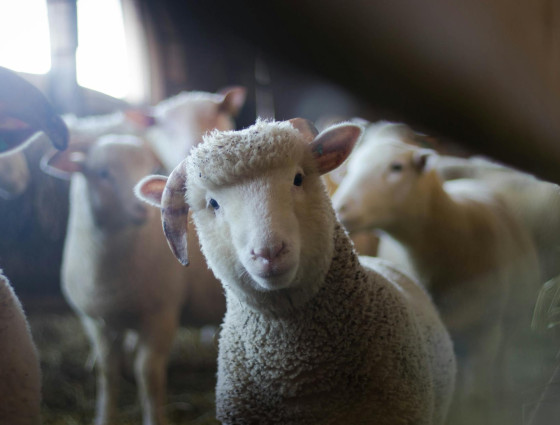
[
  {"x": 111, "y": 167},
  {"x": 386, "y": 182},
  {"x": 184, "y": 118},
  {"x": 265, "y": 222}
]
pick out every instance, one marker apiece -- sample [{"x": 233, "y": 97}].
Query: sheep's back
[{"x": 433, "y": 334}]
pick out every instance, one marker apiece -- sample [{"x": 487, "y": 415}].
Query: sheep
[
  {"x": 23, "y": 112},
  {"x": 312, "y": 333},
  {"x": 118, "y": 275},
  {"x": 460, "y": 240}
]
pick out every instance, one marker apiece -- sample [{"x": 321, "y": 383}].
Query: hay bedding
[{"x": 69, "y": 384}]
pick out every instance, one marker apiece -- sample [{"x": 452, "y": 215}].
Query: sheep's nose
[{"x": 269, "y": 252}]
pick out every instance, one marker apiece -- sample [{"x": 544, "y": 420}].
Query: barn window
[
  {"x": 101, "y": 57},
  {"x": 24, "y": 31},
  {"x": 98, "y": 44}
]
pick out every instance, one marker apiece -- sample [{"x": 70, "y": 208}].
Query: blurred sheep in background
[
  {"x": 464, "y": 243},
  {"x": 118, "y": 274}
]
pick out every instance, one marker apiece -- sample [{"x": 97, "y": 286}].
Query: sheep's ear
[
  {"x": 140, "y": 117},
  {"x": 150, "y": 189},
  {"x": 24, "y": 110},
  {"x": 423, "y": 160},
  {"x": 63, "y": 164},
  {"x": 234, "y": 99},
  {"x": 305, "y": 127},
  {"x": 334, "y": 145},
  {"x": 175, "y": 213}
]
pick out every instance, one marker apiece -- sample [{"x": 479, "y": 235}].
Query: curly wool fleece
[
  {"x": 360, "y": 352},
  {"x": 226, "y": 156}
]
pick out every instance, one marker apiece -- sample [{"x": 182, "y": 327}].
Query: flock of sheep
[{"x": 311, "y": 332}]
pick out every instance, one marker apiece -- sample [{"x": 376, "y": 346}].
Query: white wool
[{"x": 227, "y": 156}]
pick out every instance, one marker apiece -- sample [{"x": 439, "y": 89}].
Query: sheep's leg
[
  {"x": 107, "y": 345},
  {"x": 154, "y": 345}
]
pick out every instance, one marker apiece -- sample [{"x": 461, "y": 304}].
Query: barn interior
[{"x": 480, "y": 77}]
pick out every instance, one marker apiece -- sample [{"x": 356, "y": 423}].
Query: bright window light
[
  {"x": 24, "y": 36},
  {"x": 101, "y": 57}
]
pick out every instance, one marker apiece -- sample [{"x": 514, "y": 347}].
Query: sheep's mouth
[{"x": 274, "y": 275}]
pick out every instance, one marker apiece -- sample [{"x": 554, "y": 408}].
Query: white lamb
[
  {"x": 23, "y": 112},
  {"x": 311, "y": 335},
  {"x": 461, "y": 241},
  {"x": 118, "y": 274}
]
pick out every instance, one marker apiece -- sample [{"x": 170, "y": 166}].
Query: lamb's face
[
  {"x": 258, "y": 231},
  {"x": 112, "y": 168},
  {"x": 382, "y": 185}
]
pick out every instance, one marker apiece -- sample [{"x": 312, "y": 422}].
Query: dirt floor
[{"x": 69, "y": 383}]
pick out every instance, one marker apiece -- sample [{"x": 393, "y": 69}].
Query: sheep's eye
[
  {"x": 298, "y": 179},
  {"x": 396, "y": 166},
  {"x": 214, "y": 204}
]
